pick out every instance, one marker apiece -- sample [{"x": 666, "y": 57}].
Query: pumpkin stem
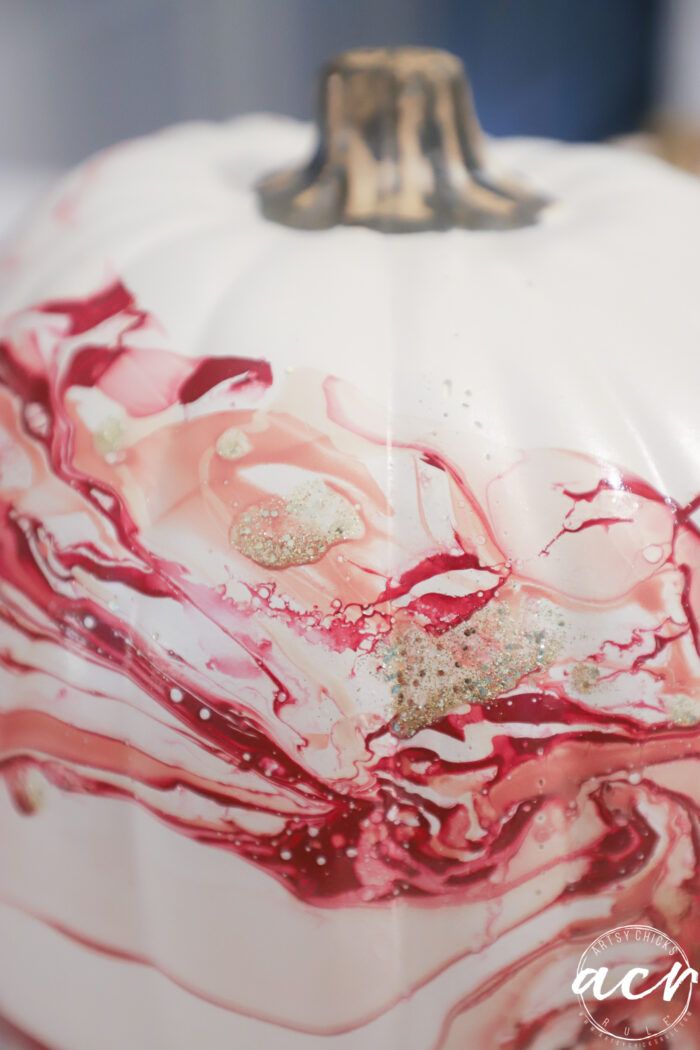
[{"x": 399, "y": 150}]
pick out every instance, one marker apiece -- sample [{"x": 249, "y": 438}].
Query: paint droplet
[{"x": 653, "y": 553}]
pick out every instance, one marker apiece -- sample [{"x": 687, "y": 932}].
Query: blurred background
[{"x": 76, "y": 75}]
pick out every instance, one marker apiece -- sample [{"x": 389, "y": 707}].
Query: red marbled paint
[{"x": 407, "y": 820}]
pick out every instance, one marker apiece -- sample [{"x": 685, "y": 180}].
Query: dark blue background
[{"x": 572, "y": 69}]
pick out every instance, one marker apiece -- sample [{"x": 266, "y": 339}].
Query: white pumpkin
[{"x": 409, "y": 441}]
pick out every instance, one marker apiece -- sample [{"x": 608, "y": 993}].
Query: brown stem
[{"x": 399, "y": 150}]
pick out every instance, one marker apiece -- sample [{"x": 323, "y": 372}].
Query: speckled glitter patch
[
  {"x": 109, "y": 439},
  {"x": 584, "y": 677},
  {"x": 233, "y": 444},
  {"x": 473, "y": 663},
  {"x": 278, "y": 533},
  {"x": 683, "y": 710}
]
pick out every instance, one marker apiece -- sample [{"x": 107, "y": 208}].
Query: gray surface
[
  {"x": 19, "y": 188},
  {"x": 76, "y": 75}
]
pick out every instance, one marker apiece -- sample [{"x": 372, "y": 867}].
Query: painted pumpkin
[{"x": 348, "y": 586}]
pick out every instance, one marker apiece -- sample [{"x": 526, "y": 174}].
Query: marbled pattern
[{"x": 449, "y": 851}]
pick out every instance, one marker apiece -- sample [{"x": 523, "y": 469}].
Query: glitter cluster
[
  {"x": 474, "y": 663},
  {"x": 584, "y": 677},
  {"x": 233, "y": 444},
  {"x": 684, "y": 711},
  {"x": 109, "y": 439},
  {"x": 278, "y": 533}
]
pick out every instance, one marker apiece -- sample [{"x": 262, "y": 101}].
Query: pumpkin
[{"x": 348, "y": 587}]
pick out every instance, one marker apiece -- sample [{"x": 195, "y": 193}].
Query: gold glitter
[
  {"x": 473, "y": 663},
  {"x": 109, "y": 439},
  {"x": 584, "y": 677},
  {"x": 683, "y": 710},
  {"x": 233, "y": 444},
  {"x": 278, "y": 533},
  {"x": 28, "y": 791}
]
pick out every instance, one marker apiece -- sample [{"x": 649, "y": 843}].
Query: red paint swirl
[{"x": 283, "y": 708}]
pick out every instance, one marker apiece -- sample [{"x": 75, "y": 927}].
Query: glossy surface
[{"x": 330, "y": 717}]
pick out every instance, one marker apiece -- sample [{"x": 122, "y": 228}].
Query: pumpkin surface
[{"x": 348, "y": 604}]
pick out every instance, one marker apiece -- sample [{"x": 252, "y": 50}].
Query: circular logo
[{"x": 634, "y": 984}]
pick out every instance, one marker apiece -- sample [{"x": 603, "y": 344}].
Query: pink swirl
[{"x": 376, "y": 667}]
